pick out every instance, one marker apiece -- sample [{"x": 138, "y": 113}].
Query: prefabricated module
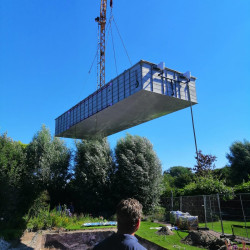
[{"x": 141, "y": 93}]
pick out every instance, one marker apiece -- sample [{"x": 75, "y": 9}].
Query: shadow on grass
[{"x": 178, "y": 233}]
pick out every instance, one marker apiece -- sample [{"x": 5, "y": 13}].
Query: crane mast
[{"x": 102, "y": 22}]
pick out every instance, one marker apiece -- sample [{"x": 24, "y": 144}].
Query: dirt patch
[
  {"x": 85, "y": 240},
  {"x": 59, "y": 239},
  {"x": 75, "y": 241},
  {"x": 164, "y": 231},
  {"x": 204, "y": 239}
]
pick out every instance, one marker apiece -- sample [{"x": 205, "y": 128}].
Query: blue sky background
[{"x": 47, "y": 47}]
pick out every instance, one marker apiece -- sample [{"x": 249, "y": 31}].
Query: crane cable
[
  {"x": 114, "y": 51},
  {"x": 191, "y": 109},
  {"x": 93, "y": 62},
  {"x": 122, "y": 41},
  {"x": 109, "y": 29},
  {"x": 98, "y": 62},
  {"x": 113, "y": 45}
]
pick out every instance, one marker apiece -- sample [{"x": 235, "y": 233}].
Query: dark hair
[{"x": 128, "y": 214}]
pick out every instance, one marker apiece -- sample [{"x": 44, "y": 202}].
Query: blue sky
[{"x": 47, "y": 47}]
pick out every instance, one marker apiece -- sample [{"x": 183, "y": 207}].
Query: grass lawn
[
  {"x": 216, "y": 226},
  {"x": 166, "y": 241}
]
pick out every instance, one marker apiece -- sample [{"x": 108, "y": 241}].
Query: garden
[
  {"x": 62, "y": 221},
  {"x": 39, "y": 178}
]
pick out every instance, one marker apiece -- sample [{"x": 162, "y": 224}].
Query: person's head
[{"x": 128, "y": 216}]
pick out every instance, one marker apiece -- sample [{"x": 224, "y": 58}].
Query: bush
[
  {"x": 47, "y": 219},
  {"x": 43, "y": 220},
  {"x": 208, "y": 185},
  {"x": 41, "y": 203},
  {"x": 158, "y": 214},
  {"x": 242, "y": 188}
]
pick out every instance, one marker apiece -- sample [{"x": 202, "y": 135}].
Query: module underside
[{"x": 138, "y": 108}]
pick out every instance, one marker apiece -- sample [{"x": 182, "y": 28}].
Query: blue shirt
[{"x": 120, "y": 242}]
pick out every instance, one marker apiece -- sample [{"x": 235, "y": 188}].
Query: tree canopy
[
  {"x": 97, "y": 178},
  {"x": 14, "y": 178},
  {"x": 181, "y": 176},
  {"x": 225, "y": 174},
  {"x": 239, "y": 158},
  {"x": 205, "y": 164},
  {"x": 93, "y": 174},
  {"x": 49, "y": 160},
  {"x": 138, "y": 171}
]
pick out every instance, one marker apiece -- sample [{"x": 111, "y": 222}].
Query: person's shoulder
[
  {"x": 119, "y": 242},
  {"x": 106, "y": 243},
  {"x": 132, "y": 243}
]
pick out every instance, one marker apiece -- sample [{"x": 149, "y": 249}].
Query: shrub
[
  {"x": 158, "y": 214},
  {"x": 242, "y": 188},
  {"x": 208, "y": 185},
  {"x": 41, "y": 203},
  {"x": 46, "y": 219}
]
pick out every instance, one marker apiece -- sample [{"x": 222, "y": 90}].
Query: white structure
[{"x": 140, "y": 94}]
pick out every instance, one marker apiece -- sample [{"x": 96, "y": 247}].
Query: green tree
[
  {"x": 225, "y": 174},
  {"x": 168, "y": 183},
  {"x": 138, "y": 171},
  {"x": 181, "y": 176},
  {"x": 239, "y": 158},
  {"x": 168, "y": 189},
  {"x": 14, "y": 178},
  {"x": 205, "y": 181},
  {"x": 93, "y": 175},
  {"x": 174, "y": 180},
  {"x": 49, "y": 159}
]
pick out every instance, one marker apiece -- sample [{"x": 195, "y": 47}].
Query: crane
[{"x": 101, "y": 20}]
